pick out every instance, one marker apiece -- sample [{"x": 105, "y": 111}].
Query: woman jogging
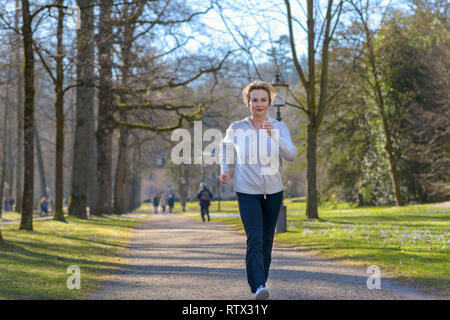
[{"x": 258, "y": 184}]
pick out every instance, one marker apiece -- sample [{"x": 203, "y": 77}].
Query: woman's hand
[
  {"x": 267, "y": 125},
  {"x": 224, "y": 178}
]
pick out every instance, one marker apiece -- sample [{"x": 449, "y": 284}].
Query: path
[{"x": 172, "y": 257}]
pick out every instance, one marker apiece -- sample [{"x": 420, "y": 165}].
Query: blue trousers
[
  {"x": 259, "y": 217},
  {"x": 205, "y": 211}
]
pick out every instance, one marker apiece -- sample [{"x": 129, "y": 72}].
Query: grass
[
  {"x": 33, "y": 265},
  {"x": 10, "y": 216},
  {"x": 410, "y": 243}
]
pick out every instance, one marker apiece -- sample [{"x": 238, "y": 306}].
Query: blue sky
[{"x": 262, "y": 21}]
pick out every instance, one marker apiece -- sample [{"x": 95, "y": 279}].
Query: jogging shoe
[{"x": 261, "y": 293}]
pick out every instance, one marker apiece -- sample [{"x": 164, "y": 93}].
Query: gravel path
[{"x": 172, "y": 257}]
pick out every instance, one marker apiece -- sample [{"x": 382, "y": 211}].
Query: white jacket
[{"x": 256, "y": 156}]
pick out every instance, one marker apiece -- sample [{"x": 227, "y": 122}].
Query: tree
[
  {"x": 105, "y": 125},
  {"x": 114, "y": 100},
  {"x": 5, "y": 140},
  {"x": 83, "y": 139},
  {"x": 28, "y": 129},
  {"x": 40, "y": 160},
  {"x": 379, "y": 97},
  {"x": 413, "y": 54},
  {"x": 131, "y": 13},
  {"x": 19, "y": 108},
  {"x": 314, "y": 109},
  {"x": 26, "y": 222},
  {"x": 58, "y": 81}
]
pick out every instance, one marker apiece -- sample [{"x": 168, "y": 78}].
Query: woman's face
[{"x": 259, "y": 102}]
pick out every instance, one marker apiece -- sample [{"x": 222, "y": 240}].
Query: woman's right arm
[{"x": 226, "y": 154}]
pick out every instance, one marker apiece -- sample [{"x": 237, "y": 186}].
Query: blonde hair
[{"x": 258, "y": 85}]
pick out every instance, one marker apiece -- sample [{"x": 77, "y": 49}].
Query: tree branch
[
  {"x": 294, "y": 51},
  {"x": 43, "y": 62},
  {"x": 172, "y": 84},
  {"x": 48, "y": 6}
]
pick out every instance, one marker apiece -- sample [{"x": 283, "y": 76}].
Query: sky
[
  {"x": 264, "y": 20},
  {"x": 260, "y": 21},
  {"x": 229, "y": 24}
]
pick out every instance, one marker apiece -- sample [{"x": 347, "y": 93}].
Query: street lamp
[{"x": 281, "y": 89}]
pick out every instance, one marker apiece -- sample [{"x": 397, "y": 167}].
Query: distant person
[
  {"x": 204, "y": 196},
  {"x": 155, "y": 203},
  {"x": 11, "y": 204},
  {"x": 170, "y": 202},
  {"x": 163, "y": 203},
  {"x": 44, "y": 206}
]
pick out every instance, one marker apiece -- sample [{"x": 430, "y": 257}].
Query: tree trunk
[
  {"x": 59, "y": 106},
  {"x": 311, "y": 140},
  {"x": 92, "y": 160},
  {"x": 183, "y": 185},
  {"x": 105, "y": 113},
  {"x": 84, "y": 110},
  {"x": 11, "y": 165},
  {"x": 5, "y": 143},
  {"x": 314, "y": 110},
  {"x": 120, "y": 182},
  {"x": 19, "y": 135},
  {"x": 59, "y": 175},
  {"x": 131, "y": 186},
  {"x": 26, "y": 222},
  {"x": 394, "y": 173},
  {"x": 311, "y": 176},
  {"x": 381, "y": 109},
  {"x": 388, "y": 143},
  {"x": 40, "y": 160},
  {"x": 135, "y": 187}
]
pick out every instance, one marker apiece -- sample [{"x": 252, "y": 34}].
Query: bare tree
[
  {"x": 113, "y": 100},
  {"x": 40, "y": 161},
  {"x": 315, "y": 84},
  {"x": 84, "y": 113},
  {"x": 58, "y": 81},
  {"x": 130, "y": 15},
  {"x": 29, "y": 92},
  {"x": 5, "y": 139},
  {"x": 26, "y": 222},
  {"x": 362, "y": 8},
  {"x": 105, "y": 125},
  {"x": 19, "y": 107}
]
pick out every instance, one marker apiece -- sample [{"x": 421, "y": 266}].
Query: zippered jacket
[{"x": 256, "y": 156}]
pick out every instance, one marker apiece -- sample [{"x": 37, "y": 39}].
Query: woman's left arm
[{"x": 287, "y": 149}]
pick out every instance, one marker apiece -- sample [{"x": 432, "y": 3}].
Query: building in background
[{"x": 156, "y": 179}]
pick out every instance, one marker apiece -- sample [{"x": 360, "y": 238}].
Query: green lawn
[
  {"x": 33, "y": 265},
  {"x": 10, "y": 215},
  {"x": 410, "y": 243}
]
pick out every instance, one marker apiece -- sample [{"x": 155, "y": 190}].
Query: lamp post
[{"x": 281, "y": 89}]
